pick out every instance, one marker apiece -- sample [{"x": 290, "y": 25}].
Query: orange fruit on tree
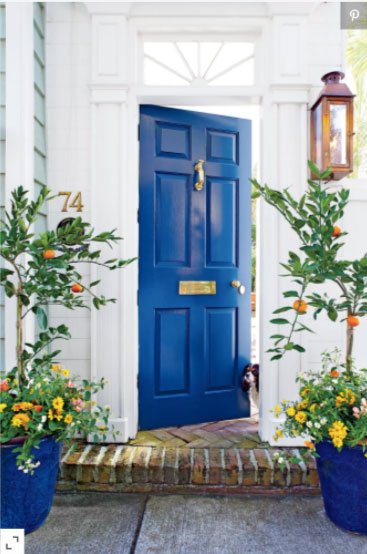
[
  {"x": 76, "y": 287},
  {"x": 353, "y": 321},
  {"x": 300, "y": 305},
  {"x": 48, "y": 254},
  {"x": 337, "y": 231}
]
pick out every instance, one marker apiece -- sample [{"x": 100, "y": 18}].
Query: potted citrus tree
[
  {"x": 41, "y": 404},
  {"x": 331, "y": 412}
]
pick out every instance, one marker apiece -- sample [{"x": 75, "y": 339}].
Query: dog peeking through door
[{"x": 250, "y": 381}]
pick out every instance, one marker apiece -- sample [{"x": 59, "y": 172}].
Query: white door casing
[{"x": 287, "y": 79}]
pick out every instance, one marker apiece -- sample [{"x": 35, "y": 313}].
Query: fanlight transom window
[{"x": 198, "y": 63}]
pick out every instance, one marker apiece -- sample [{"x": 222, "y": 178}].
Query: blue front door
[{"x": 194, "y": 246}]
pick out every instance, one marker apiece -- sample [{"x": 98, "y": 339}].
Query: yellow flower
[
  {"x": 58, "y": 415},
  {"x": 347, "y": 396},
  {"x": 19, "y": 420},
  {"x": 68, "y": 418},
  {"x": 277, "y": 410},
  {"x": 50, "y": 415},
  {"x": 56, "y": 367},
  {"x": 291, "y": 411},
  {"x": 66, "y": 372},
  {"x": 278, "y": 434},
  {"x": 102, "y": 427},
  {"x": 58, "y": 403},
  {"x": 313, "y": 407},
  {"x": 303, "y": 405},
  {"x": 338, "y": 431},
  {"x": 2, "y": 407},
  {"x": 300, "y": 417},
  {"x": 304, "y": 392}
]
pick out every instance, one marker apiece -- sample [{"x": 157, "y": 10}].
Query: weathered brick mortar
[{"x": 145, "y": 468}]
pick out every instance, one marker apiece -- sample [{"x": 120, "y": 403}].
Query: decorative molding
[
  {"x": 106, "y": 94},
  {"x": 289, "y": 64},
  {"x": 110, "y": 8},
  {"x": 109, "y": 47}
]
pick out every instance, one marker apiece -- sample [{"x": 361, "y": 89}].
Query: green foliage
[
  {"x": 313, "y": 218},
  {"x": 37, "y": 397},
  {"x": 332, "y": 406},
  {"x": 37, "y": 281},
  {"x": 357, "y": 62}
]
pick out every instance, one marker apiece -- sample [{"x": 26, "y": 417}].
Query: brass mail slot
[{"x": 197, "y": 287}]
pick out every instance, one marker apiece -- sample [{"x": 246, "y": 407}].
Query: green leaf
[
  {"x": 291, "y": 293},
  {"x": 333, "y": 314},
  {"x": 41, "y": 318},
  {"x": 299, "y": 348},
  {"x": 314, "y": 168},
  {"x": 280, "y": 321},
  {"x": 276, "y": 357},
  {"x": 284, "y": 309}
]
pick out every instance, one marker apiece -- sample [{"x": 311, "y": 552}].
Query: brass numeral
[{"x": 76, "y": 203}]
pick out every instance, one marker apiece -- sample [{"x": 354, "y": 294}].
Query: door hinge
[{"x": 139, "y": 131}]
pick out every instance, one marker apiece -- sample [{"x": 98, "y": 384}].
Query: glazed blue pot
[
  {"x": 343, "y": 480},
  {"x": 26, "y": 499}
]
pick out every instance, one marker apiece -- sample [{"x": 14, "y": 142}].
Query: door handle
[
  {"x": 199, "y": 168},
  {"x": 240, "y": 288}
]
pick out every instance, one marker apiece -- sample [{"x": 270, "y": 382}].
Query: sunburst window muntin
[{"x": 198, "y": 62}]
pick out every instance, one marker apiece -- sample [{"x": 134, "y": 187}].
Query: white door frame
[{"x": 115, "y": 98}]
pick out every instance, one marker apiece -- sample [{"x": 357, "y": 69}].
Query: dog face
[{"x": 250, "y": 377}]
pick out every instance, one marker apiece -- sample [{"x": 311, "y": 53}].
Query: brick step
[{"x": 144, "y": 468}]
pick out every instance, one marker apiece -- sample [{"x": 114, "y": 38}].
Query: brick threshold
[{"x": 127, "y": 468}]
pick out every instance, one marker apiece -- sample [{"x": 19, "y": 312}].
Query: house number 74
[{"x": 76, "y": 203}]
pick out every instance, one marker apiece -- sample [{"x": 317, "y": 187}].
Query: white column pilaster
[
  {"x": 19, "y": 160},
  {"x": 114, "y": 343}
]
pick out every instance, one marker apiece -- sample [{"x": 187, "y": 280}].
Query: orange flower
[
  {"x": 334, "y": 373},
  {"x": 4, "y": 385},
  {"x": 309, "y": 444},
  {"x": 38, "y": 408},
  {"x": 22, "y": 406}
]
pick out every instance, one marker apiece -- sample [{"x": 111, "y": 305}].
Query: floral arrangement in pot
[
  {"x": 41, "y": 404},
  {"x": 331, "y": 412}
]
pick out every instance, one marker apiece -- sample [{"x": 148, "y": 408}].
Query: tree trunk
[
  {"x": 350, "y": 331},
  {"x": 19, "y": 338}
]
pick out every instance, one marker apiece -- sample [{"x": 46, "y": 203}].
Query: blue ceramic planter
[
  {"x": 343, "y": 479},
  {"x": 26, "y": 499}
]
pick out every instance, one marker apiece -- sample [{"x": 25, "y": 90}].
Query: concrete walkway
[{"x": 110, "y": 523}]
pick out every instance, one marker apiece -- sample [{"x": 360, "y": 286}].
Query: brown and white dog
[{"x": 250, "y": 381}]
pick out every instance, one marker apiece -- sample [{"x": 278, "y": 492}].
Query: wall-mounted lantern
[{"x": 332, "y": 127}]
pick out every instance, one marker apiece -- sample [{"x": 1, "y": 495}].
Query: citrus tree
[
  {"x": 314, "y": 219},
  {"x": 43, "y": 270}
]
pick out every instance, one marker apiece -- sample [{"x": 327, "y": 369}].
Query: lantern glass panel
[
  {"x": 317, "y": 126},
  {"x": 338, "y": 134}
]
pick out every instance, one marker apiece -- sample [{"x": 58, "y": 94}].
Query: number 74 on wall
[{"x": 76, "y": 203}]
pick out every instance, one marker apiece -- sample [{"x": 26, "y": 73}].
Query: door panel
[
  {"x": 193, "y": 347},
  {"x": 172, "y": 219},
  {"x": 222, "y": 222}
]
